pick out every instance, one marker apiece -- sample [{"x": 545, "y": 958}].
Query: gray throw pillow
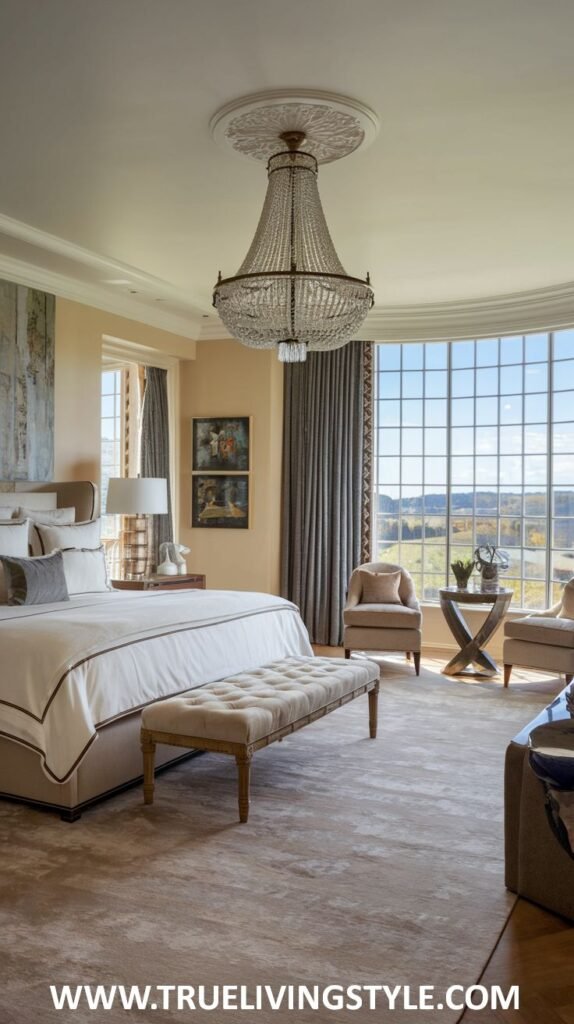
[{"x": 35, "y": 580}]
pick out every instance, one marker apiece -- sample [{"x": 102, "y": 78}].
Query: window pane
[
  {"x": 389, "y": 442},
  {"x": 411, "y": 528},
  {"x": 534, "y": 594},
  {"x": 535, "y": 503},
  {"x": 487, "y": 381},
  {"x": 510, "y": 502},
  {"x": 485, "y": 470},
  {"x": 435, "y": 384},
  {"x": 564, "y": 375},
  {"x": 435, "y": 500},
  {"x": 564, "y": 501},
  {"x": 563, "y": 533},
  {"x": 535, "y": 533},
  {"x": 412, "y": 556},
  {"x": 487, "y": 352},
  {"x": 563, "y": 344},
  {"x": 486, "y": 502},
  {"x": 389, "y": 471},
  {"x": 536, "y": 377},
  {"x": 412, "y": 385},
  {"x": 389, "y": 357},
  {"x": 536, "y": 438},
  {"x": 486, "y": 531},
  {"x": 511, "y": 350},
  {"x": 511, "y": 380},
  {"x": 435, "y": 413},
  {"x": 435, "y": 441},
  {"x": 535, "y": 563},
  {"x": 535, "y": 347},
  {"x": 387, "y": 528},
  {"x": 462, "y": 354},
  {"x": 432, "y": 585},
  {"x": 510, "y": 532},
  {"x": 389, "y": 414},
  {"x": 563, "y": 469},
  {"x": 462, "y": 414},
  {"x": 511, "y": 409},
  {"x": 412, "y": 470},
  {"x": 412, "y": 414},
  {"x": 487, "y": 411},
  {"x": 462, "y": 383},
  {"x": 487, "y": 442},
  {"x": 390, "y": 385},
  {"x": 435, "y": 530},
  {"x": 435, "y": 470},
  {"x": 413, "y": 357},
  {"x": 562, "y": 405},
  {"x": 436, "y": 355},
  {"x": 511, "y": 440},
  {"x": 510, "y": 469},
  {"x": 412, "y": 441},
  {"x": 563, "y": 437},
  {"x": 535, "y": 469},
  {"x": 562, "y": 565},
  {"x": 462, "y": 441},
  {"x": 462, "y": 471}
]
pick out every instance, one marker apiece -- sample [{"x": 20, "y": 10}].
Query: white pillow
[
  {"x": 6, "y": 512},
  {"x": 77, "y": 535},
  {"x": 85, "y": 570},
  {"x": 48, "y": 517},
  {"x": 13, "y": 541}
]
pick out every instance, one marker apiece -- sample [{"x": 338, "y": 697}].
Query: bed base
[{"x": 111, "y": 765}]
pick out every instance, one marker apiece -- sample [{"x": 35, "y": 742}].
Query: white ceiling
[{"x": 466, "y": 194}]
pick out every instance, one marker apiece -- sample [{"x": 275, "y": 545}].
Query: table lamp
[{"x": 136, "y": 499}]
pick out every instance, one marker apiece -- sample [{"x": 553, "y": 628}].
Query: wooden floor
[{"x": 536, "y": 949}]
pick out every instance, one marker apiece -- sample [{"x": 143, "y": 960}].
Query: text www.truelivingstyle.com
[{"x": 290, "y": 998}]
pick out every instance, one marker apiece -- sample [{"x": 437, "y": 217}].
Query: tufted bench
[{"x": 240, "y": 714}]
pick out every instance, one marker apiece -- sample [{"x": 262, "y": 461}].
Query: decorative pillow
[
  {"x": 380, "y": 587},
  {"x": 35, "y": 580},
  {"x": 86, "y": 570},
  {"x": 567, "y": 609},
  {"x": 13, "y": 541},
  {"x": 48, "y": 517},
  {"x": 77, "y": 535}
]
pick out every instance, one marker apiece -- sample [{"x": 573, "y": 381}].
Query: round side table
[{"x": 472, "y": 647}]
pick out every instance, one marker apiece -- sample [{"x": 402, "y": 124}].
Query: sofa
[{"x": 537, "y": 866}]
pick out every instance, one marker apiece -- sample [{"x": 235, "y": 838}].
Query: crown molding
[
  {"x": 548, "y": 308},
  {"x": 97, "y": 296}
]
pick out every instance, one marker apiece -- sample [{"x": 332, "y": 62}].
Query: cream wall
[
  {"x": 227, "y": 379},
  {"x": 79, "y": 333}
]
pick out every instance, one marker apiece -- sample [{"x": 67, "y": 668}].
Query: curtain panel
[
  {"x": 327, "y": 473},
  {"x": 154, "y": 459}
]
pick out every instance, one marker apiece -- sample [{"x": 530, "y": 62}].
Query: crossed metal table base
[{"x": 472, "y": 647}]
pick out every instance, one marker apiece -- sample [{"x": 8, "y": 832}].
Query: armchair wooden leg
[
  {"x": 347, "y": 653},
  {"x": 373, "y": 711},
  {"x": 408, "y": 655},
  {"x": 507, "y": 672},
  {"x": 417, "y": 661},
  {"x": 244, "y": 774},
  {"x": 148, "y": 751},
  {"x": 569, "y": 678}
]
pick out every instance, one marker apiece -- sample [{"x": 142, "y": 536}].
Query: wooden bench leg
[
  {"x": 148, "y": 751},
  {"x": 243, "y": 761},
  {"x": 417, "y": 661},
  {"x": 373, "y": 711}
]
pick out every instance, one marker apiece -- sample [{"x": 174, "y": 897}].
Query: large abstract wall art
[{"x": 26, "y": 383}]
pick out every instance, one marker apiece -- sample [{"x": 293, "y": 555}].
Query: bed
[{"x": 76, "y": 675}]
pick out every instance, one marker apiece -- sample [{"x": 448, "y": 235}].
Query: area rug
[{"x": 364, "y": 862}]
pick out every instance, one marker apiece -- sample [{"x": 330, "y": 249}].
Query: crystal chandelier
[{"x": 291, "y": 292}]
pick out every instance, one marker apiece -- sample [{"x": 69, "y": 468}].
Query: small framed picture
[
  {"x": 221, "y": 444},
  {"x": 220, "y": 501}
]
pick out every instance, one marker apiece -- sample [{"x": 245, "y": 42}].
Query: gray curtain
[
  {"x": 324, "y": 483},
  {"x": 154, "y": 459}
]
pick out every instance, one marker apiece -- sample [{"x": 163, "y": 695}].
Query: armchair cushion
[
  {"x": 380, "y": 587},
  {"x": 383, "y": 616},
  {"x": 557, "y": 632}
]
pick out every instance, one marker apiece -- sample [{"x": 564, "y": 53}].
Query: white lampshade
[{"x": 142, "y": 495}]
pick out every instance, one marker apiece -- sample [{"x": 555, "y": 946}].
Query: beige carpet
[{"x": 363, "y": 862}]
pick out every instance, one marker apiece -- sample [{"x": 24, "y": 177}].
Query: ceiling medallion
[{"x": 291, "y": 291}]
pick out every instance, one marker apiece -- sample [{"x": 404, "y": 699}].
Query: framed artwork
[
  {"x": 221, "y": 444},
  {"x": 220, "y": 500}
]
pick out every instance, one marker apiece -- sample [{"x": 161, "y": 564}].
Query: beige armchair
[
  {"x": 543, "y": 640},
  {"x": 382, "y": 626}
]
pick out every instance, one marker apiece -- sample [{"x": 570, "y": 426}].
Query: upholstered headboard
[{"x": 82, "y": 494}]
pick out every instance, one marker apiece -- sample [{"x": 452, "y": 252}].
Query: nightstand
[{"x": 191, "y": 581}]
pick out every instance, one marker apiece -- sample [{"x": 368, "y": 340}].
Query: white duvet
[{"x": 67, "y": 669}]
